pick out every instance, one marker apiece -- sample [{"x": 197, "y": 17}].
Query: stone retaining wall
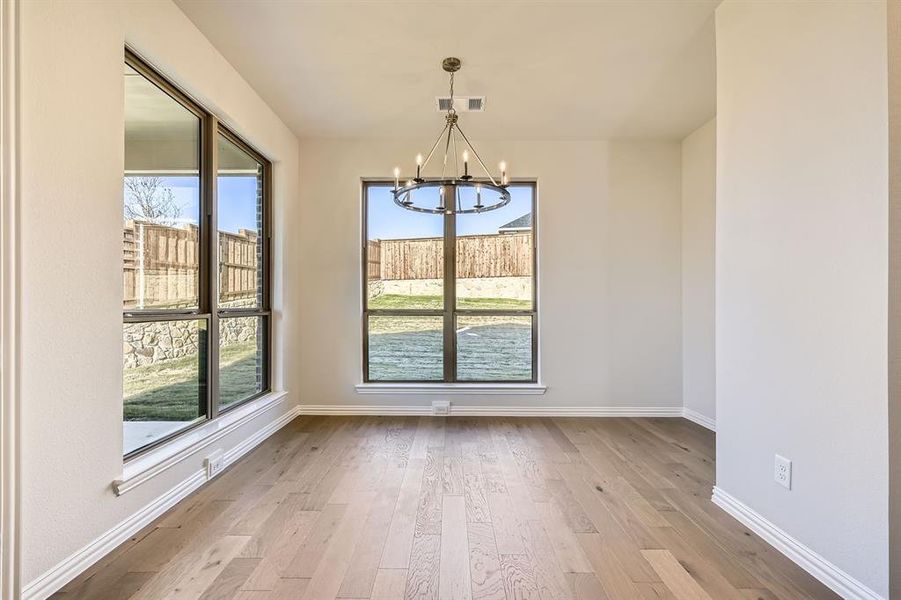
[{"x": 156, "y": 341}]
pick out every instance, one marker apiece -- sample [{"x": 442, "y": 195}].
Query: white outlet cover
[
  {"x": 441, "y": 407},
  {"x": 213, "y": 463},
  {"x": 783, "y": 472}
]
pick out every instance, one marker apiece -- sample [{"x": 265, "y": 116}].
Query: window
[
  {"x": 449, "y": 298},
  {"x": 242, "y": 276},
  {"x": 196, "y": 305}
]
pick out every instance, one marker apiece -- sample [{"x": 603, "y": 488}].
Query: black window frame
[
  {"x": 449, "y": 311},
  {"x": 207, "y": 309}
]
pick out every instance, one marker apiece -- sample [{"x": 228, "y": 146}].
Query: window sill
[
  {"x": 445, "y": 389},
  {"x": 145, "y": 467}
]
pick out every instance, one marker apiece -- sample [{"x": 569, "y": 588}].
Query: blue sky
[
  {"x": 237, "y": 203},
  {"x": 237, "y": 200},
  {"x": 237, "y": 209},
  {"x": 389, "y": 221}
]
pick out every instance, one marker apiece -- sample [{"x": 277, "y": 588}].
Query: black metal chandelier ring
[{"x": 449, "y": 191}]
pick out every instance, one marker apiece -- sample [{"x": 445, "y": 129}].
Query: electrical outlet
[
  {"x": 441, "y": 407},
  {"x": 783, "y": 473},
  {"x": 214, "y": 464}
]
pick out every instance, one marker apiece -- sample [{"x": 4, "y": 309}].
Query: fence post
[{"x": 140, "y": 253}]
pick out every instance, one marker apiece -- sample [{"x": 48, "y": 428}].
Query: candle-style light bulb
[
  {"x": 441, "y": 200},
  {"x": 465, "y": 163},
  {"x": 503, "y": 167},
  {"x": 418, "y": 165},
  {"x": 396, "y": 177},
  {"x": 408, "y": 199},
  {"x": 478, "y": 196}
]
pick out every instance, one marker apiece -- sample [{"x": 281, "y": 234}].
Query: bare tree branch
[{"x": 147, "y": 199}]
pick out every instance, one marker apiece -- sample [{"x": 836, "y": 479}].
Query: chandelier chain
[{"x": 451, "y": 109}]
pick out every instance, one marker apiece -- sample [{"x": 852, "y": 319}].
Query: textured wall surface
[
  {"x": 802, "y": 272},
  {"x": 699, "y": 270}
]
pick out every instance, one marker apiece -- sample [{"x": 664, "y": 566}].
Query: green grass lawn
[
  {"x": 169, "y": 390},
  {"x": 411, "y": 348},
  {"x": 401, "y": 302}
]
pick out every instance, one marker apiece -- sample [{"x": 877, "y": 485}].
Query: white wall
[
  {"x": 609, "y": 273},
  {"x": 71, "y": 253},
  {"x": 699, "y": 271},
  {"x": 801, "y": 272}
]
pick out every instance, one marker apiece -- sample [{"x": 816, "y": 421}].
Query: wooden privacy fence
[
  {"x": 494, "y": 255},
  {"x": 161, "y": 265},
  {"x": 239, "y": 255}
]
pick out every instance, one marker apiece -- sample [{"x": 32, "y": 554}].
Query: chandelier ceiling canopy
[{"x": 485, "y": 193}]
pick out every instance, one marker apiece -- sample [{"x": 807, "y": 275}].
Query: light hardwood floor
[{"x": 455, "y": 508}]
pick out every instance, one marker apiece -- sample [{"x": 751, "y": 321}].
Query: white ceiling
[{"x": 550, "y": 70}]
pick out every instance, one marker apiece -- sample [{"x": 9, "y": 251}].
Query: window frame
[
  {"x": 264, "y": 309},
  {"x": 449, "y": 311},
  {"x": 208, "y": 309}
]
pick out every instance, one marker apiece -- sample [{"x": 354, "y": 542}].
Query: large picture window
[
  {"x": 449, "y": 298},
  {"x": 195, "y": 270}
]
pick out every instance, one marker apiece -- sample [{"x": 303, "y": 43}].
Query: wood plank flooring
[{"x": 418, "y": 508}]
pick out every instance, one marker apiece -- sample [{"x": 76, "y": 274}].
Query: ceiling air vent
[{"x": 461, "y": 103}]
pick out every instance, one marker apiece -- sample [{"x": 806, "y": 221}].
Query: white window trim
[
  {"x": 10, "y": 309},
  {"x": 444, "y": 389},
  {"x": 148, "y": 465}
]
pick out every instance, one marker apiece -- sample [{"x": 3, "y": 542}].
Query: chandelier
[{"x": 490, "y": 194}]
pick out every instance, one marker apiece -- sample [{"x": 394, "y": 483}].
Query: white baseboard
[
  {"x": 493, "y": 411},
  {"x": 64, "y": 572},
  {"x": 831, "y": 576},
  {"x": 453, "y": 389},
  {"x": 702, "y": 420}
]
